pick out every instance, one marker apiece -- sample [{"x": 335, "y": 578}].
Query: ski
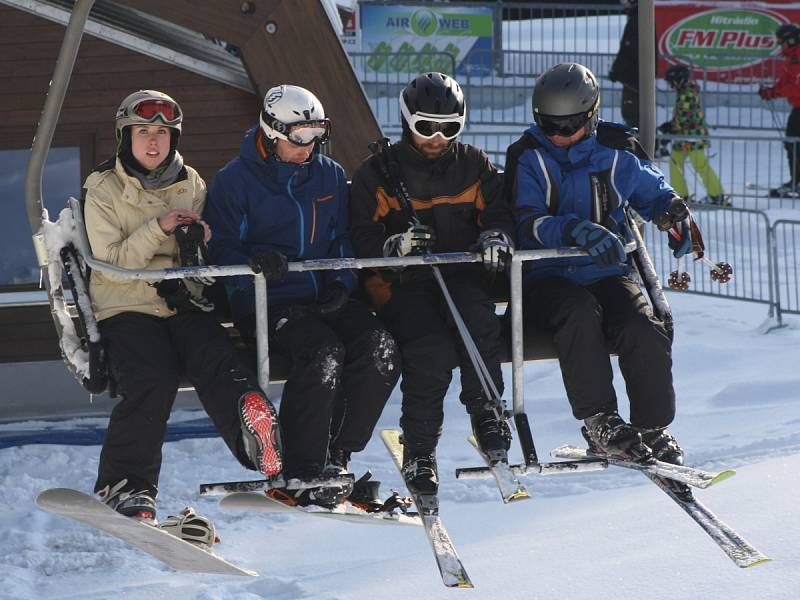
[
  {"x": 172, "y": 551},
  {"x": 262, "y": 485},
  {"x": 260, "y": 502},
  {"x": 511, "y": 490},
  {"x": 731, "y": 543},
  {"x": 688, "y": 475},
  {"x": 450, "y": 567}
]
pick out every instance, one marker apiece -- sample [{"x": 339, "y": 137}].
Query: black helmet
[
  {"x": 677, "y": 75},
  {"x": 788, "y": 33},
  {"x": 565, "y": 98},
  {"x": 432, "y": 104}
]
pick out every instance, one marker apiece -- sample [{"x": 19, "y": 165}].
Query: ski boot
[
  {"x": 261, "y": 433},
  {"x": 191, "y": 527},
  {"x": 337, "y": 462},
  {"x": 139, "y": 505},
  {"x": 787, "y": 190},
  {"x": 720, "y": 200},
  {"x": 420, "y": 472},
  {"x": 663, "y": 445},
  {"x": 607, "y": 433},
  {"x": 492, "y": 434}
]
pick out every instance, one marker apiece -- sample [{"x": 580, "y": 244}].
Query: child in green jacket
[{"x": 688, "y": 119}]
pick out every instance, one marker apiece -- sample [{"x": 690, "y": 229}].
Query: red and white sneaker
[{"x": 261, "y": 433}]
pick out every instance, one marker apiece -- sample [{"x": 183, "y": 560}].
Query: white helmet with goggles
[
  {"x": 148, "y": 107},
  {"x": 294, "y": 114}
]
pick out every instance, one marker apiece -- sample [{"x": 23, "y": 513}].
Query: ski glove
[
  {"x": 180, "y": 299},
  {"x": 680, "y": 247},
  {"x": 331, "y": 299},
  {"x": 666, "y": 127},
  {"x": 271, "y": 263},
  {"x": 604, "y": 248},
  {"x": 767, "y": 93},
  {"x": 414, "y": 241},
  {"x": 191, "y": 244},
  {"x": 496, "y": 249}
]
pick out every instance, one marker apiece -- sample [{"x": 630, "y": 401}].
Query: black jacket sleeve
[
  {"x": 367, "y": 232},
  {"x": 498, "y": 213}
]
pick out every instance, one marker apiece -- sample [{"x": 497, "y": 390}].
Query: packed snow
[{"x": 605, "y": 534}]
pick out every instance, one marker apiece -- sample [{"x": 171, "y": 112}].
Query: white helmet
[
  {"x": 294, "y": 114},
  {"x": 148, "y": 107}
]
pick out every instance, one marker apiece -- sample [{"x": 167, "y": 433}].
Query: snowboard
[
  {"x": 260, "y": 502},
  {"x": 172, "y": 551}
]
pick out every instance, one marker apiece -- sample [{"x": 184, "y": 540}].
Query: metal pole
[
  {"x": 262, "y": 332},
  {"x": 647, "y": 75}
]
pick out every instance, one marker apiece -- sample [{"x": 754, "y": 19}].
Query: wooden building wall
[{"x": 216, "y": 115}]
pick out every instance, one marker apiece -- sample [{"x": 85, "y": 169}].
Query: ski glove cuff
[
  {"x": 496, "y": 249},
  {"x": 676, "y": 213},
  {"x": 331, "y": 299},
  {"x": 414, "y": 241},
  {"x": 604, "y": 248},
  {"x": 272, "y": 264},
  {"x": 180, "y": 299}
]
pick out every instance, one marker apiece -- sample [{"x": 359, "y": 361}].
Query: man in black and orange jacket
[{"x": 458, "y": 202}]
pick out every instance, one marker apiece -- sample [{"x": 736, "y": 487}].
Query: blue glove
[
  {"x": 680, "y": 247},
  {"x": 603, "y": 247}
]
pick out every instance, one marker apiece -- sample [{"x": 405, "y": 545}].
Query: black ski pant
[
  {"x": 147, "y": 357},
  {"x": 421, "y": 322},
  {"x": 792, "y": 150},
  {"x": 342, "y": 369},
  {"x": 583, "y": 319}
]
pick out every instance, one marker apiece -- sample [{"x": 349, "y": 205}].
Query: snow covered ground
[{"x": 595, "y": 535}]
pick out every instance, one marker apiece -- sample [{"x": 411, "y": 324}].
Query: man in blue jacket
[
  {"x": 571, "y": 177},
  {"x": 279, "y": 201}
]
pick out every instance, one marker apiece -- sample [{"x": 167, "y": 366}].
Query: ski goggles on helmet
[
  {"x": 149, "y": 110},
  {"x": 427, "y": 125},
  {"x": 299, "y": 133},
  {"x": 566, "y": 125}
]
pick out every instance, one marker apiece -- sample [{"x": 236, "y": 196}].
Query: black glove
[
  {"x": 496, "y": 249},
  {"x": 331, "y": 299},
  {"x": 666, "y": 128},
  {"x": 767, "y": 93},
  {"x": 676, "y": 213},
  {"x": 271, "y": 263},
  {"x": 191, "y": 245},
  {"x": 413, "y": 241},
  {"x": 180, "y": 299},
  {"x": 603, "y": 247}
]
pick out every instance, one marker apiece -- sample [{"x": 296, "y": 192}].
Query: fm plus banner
[{"x": 723, "y": 41}]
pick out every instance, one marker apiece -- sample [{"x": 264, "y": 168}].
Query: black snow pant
[
  {"x": 583, "y": 319},
  {"x": 342, "y": 369},
  {"x": 792, "y": 150},
  {"x": 420, "y": 321},
  {"x": 147, "y": 357}
]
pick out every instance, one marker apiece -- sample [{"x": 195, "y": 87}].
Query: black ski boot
[
  {"x": 492, "y": 434},
  {"x": 607, "y": 433},
  {"x": 787, "y": 190},
  {"x": 663, "y": 445},
  {"x": 419, "y": 471},
  {"x": 337, "y": 462}
]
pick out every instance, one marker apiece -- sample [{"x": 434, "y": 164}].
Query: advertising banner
[
  {"x": 389, "y": 30},
  {"x": 731, "y": 42}
]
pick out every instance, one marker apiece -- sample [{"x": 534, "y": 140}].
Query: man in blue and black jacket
[
  {"x": 571, "y": 178},
  {"x": 280, "y": 201}
]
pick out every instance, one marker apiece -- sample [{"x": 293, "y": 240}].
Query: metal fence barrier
[{"x": 786, "y": 252}]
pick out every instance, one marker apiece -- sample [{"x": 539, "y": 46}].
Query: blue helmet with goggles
[
  {"x": 294, "y": 114},
  {"x": 433, "y": 105},
  {"x": 566, "y": 98}
]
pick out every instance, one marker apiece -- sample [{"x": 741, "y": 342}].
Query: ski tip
[
  {"x": 754, "y": 563},
  {"x": 727, "y": 474}
]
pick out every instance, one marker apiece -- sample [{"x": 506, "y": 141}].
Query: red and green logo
[{"x": 723, "y": 39}]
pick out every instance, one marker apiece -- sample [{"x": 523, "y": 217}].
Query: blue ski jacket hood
[
  {"x": 258, "y": 204},
  {"x": 588, "y": 180}
]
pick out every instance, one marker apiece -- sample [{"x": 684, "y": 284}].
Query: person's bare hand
[{"x": 177, "y": 217}]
